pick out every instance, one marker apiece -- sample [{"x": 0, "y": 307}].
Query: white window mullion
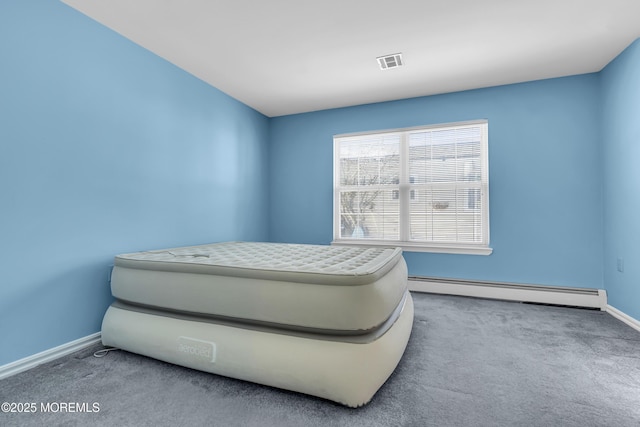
[
  {"x": 484, "y": 191},
  {"x": 336, "y": 189},
  {"x": 405, "y": 213}
]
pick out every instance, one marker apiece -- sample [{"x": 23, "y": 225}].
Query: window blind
[{"x": 420, "y": 186}]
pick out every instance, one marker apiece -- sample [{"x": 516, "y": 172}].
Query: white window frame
[{"x": 481, "y": 248}]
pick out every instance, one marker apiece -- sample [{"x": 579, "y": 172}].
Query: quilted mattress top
[{"x": 274, "y": 261}]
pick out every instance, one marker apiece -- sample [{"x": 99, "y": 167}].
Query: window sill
[{"x": 418, "y": 247}]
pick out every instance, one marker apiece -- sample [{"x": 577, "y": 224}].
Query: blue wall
[
  {"x": 545, "y": 177},
  {"x": 621, "y": 158},
  {"x": 106, "y": 148}
]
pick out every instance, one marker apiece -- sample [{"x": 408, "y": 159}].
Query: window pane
[
  {"x": 446, "y": 215},
  {"x": 450, "y": 155},
  {"x": 370, "y": 161},
  {"x": 369, "y": 215}
]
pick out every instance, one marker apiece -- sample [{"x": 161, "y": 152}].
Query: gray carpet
[{"x": 470, "y": 362}]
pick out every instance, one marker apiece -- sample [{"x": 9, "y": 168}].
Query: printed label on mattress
[{"x": 197, "y": 349}]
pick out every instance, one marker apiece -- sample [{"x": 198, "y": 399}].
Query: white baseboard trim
[
  {"x": 624, "y": 317},
  {"x": 48, "y": 355},
  {"x": 577, "y": 297}
]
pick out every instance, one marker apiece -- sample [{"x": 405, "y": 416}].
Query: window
[{"x": 423, "y": 189}]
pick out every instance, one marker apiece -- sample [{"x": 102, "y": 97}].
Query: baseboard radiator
[{"x": 556, "y": 295}]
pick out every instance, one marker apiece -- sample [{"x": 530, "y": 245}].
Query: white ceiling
[{"x": 291, "y": 56}]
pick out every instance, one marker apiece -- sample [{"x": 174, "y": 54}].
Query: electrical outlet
[{"x": 620, "y": 266}]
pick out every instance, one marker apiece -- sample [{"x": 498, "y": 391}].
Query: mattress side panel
[
  {"x": 343, "y": 372},
  {"x": 332, "y": 307}
]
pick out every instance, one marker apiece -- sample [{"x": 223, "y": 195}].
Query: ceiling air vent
[{"x": 390, "y": 61}]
